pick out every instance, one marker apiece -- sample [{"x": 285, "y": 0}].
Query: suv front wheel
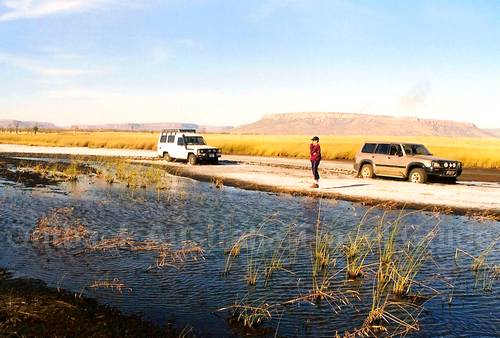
[
  {"x": 367, "y": 171},
  {"x": 192, "y": 159},
  {"x": 417, "y": 175}
]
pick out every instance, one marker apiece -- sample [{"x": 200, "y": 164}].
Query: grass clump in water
[
  {"x": 249, "y": 315},
  {"x": 409, "y": 263},
  {"x": 57, "y": 228}
]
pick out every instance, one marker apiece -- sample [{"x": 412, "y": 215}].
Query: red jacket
[{"x": 315, "y": 152}]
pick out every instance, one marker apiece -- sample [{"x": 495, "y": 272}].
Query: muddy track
[{"x": 292, "y": 176}]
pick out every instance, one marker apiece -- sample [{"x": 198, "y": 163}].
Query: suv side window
[
  {"x": 383, "y": 149},
  {"x": 368, "y": 148},
  {"x": 163, "y": 138},
  {"x": 170, "y": 138},
  {"x": 396, "y": 149},
  {"x": 180, "y": 141}
]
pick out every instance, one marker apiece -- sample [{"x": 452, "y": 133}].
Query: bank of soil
[{"x": 29, "y": 308}]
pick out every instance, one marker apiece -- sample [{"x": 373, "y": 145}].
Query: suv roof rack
[{"x": 179, "y": 131}]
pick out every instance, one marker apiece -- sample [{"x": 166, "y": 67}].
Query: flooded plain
[{"x": 232, "y": 262}]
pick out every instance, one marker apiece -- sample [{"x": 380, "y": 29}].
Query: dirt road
[{"x": 292, "y": 176}]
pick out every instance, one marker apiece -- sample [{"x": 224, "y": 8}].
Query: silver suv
[{"x": 406, "y": 160}]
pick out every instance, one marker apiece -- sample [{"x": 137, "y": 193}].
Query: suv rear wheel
[
  {"x": 192, "y": 159},
  {"x": 417, "y": 175},
  {"x": 367, "y": 171},
  {"x": 167, "y": 157}
]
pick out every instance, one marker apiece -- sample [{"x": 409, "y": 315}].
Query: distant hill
[
  {"x": 357, "y": 124},
  {"x": 151, "y": 127},
  {"x": 493, "y": 132},
  {"x": 11, "y": 124},
  {"x": 299, "y": 124}
]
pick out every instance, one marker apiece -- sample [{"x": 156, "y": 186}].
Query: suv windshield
[
  {"x": 416, "y": 149},
  {"x": 196, "y": 140}
]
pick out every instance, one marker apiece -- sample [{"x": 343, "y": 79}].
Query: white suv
[{"x": 185, "y": 144}]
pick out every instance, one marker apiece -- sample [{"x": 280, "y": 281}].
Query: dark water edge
[
  {"x": 30, "y": 308},
  {"x": 190, "y": 211}
]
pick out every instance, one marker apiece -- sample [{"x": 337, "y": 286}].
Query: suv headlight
[{"x": 435, "y": 164}]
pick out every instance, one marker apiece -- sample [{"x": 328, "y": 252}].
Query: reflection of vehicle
[
  {"x": 407, "y": 160},
  {"x": 185, "y": 144}
]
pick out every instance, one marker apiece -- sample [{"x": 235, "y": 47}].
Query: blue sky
[{"x": 230, "y": 62}]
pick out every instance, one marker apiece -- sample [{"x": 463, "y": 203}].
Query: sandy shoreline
[{"x": 291, "y": 176}]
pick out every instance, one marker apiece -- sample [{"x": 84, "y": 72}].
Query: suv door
[
  {"x": 179, "y": 148},
  {"x": 387, "y": 160},
  {"x": 169, "y": 147},
  {"x": 395, "y": 161},
  {"x": 380, "y": 159}
]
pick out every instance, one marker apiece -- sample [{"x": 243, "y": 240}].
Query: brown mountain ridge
[
  {"x": 300, "y": 124},
  {"x": 358, "y": 124}
]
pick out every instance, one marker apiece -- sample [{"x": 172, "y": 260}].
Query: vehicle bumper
[
  {"x": 356, "y": 167},
  {"x": 444, "y": 172},
  {"x": 208, "y": 156}
]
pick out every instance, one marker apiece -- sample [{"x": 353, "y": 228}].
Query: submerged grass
[
  {"x": 484, "y": 271},
  {"x": 114, "y": 284},
  {"x": 479, "y": 261},
  {"x": 356, "y": 251},
  {"x": 58, "y": 227},
  {"x": 409, "y": 263},
  {"x": 385, "y": 312},
  {"x": 57, "y": 171},
  {"x": 249, "y": 315},
  {"x": 276, "y": 262}
]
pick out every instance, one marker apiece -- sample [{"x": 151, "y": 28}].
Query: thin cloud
[
  {"x": 29, "y": 9},
  {"x": 186, "y": 42},
  {"x": 161, "y": 54},
  {"x": 81, "y": 93},
  {"x": 43, "y": 70},
  {"x": 416, "y": 96},
  {"x": 271, "y": 6}
]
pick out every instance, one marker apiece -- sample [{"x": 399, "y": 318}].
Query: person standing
[{"x": 315, "y": 150}]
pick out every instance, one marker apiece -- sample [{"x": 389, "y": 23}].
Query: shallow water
[{"x": 191, "y": 211}]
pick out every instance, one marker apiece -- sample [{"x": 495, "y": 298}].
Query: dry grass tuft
[
  {"x": 484, "y": 271},
  {"x": 172, "y": 258},
  {"x": 57, "y": 228},
  {"x": 409, "y": 262},
  {"x": 113, "y": 243},
  {"x": 484, "y": 216},
  {"x": 473, "y": 152},
  {"x": 250, "y": 315},
  {"x": 218, "y": 182},
  {"x": 114, "y": 284},
  {"x": 479, "y": 261}
]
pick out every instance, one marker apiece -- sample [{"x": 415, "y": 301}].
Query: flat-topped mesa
[
  {"x": 344, "y": 116},
  {"x": 317, "y": 115},
  {"x": 337, "y": 123}
]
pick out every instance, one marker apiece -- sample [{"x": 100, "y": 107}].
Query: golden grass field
[{"x": 473, "y": 152}]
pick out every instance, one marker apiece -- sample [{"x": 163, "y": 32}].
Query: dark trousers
[{"x": 314, "y": 167}]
